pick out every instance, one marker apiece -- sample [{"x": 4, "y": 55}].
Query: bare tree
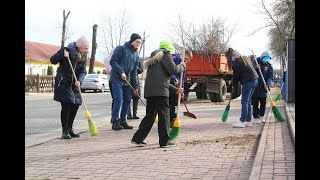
[
  {"x": 210, "y": 37},
  {"x": 115, "y": 30},
  {"x": 281, "y": 25},
  {"x": 64, "y": 37}
]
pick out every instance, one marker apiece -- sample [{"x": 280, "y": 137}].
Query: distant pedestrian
[
  {"x": 65, "y": 87},
  {"x": 243, "y": 72},
  {"x": 156, "y": 90},
  {"x": 260, "y": 94},
  {"x": 124, "y": 62},
  {"x": 108, "y": 71},
  {"x": 135, "y": 98}
]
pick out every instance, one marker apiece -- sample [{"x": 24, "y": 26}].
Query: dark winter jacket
[
  {"x": 160, "y": 66},
  {"x": 267, "y": 72},
  {"x": 242, "y": 72},
  {"x": 64, "y": 88},
  {"x": 124, "y": 60}
]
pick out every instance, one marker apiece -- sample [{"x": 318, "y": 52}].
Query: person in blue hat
[{"x": 260, "y": 94}]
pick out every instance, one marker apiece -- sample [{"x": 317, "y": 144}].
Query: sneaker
[
  {"x": 142, "y": 144},
  {"x": 136, "y": 117},
  {"x": 256, "y": 121},
  {"x": 239, "y": 124},
  {"x": 248, "y": 124},
  {"x": 125, "y": 125},
  {"x": 130, "y": 117},
  {"x": 169, "y": 144},
  {"x": 262, "y": 119}
]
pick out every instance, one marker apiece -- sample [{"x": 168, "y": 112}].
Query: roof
[{"x": 41, "y": 52}]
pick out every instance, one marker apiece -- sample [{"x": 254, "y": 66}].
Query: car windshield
[{"x": 92, "y": 76}]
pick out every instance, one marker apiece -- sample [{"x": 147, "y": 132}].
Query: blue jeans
[
  {"x": 247, "y": 91},
  {"x": 122, "y": 97}
]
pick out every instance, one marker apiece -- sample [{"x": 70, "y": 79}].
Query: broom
[
  {"x": 189, "y": 114},
  {"x": 156, "y": 120},
  {"x": 276, "y": 112},
  {"x": 279, "y": 94},
  {"x": 92, "y": 128},
  {"x": 226, "y": 111},
  {"x": 175, "y": 130}
]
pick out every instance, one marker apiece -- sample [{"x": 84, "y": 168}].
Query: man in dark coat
[
  {"x": 156, "y": 90},
  {"x": 66, "y": 87}
]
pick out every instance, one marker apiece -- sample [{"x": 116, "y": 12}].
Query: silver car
[{"x": 95, "y": 82}]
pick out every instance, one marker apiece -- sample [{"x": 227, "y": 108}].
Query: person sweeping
[
  {"x": 260, "y": 94},
  {"x": 156, "y": 90},
  {"x": 66, "y": 87}
]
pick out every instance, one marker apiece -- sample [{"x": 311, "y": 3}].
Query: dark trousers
[
  {"x": 155, "y": 105},
  {"x": 110, "y": 87},
  {"x": 173, "y": 102},
  {"x": 68, "y": 113},
  {"x": 135, "y": 103},
  {"x": 258, "y": 111}
]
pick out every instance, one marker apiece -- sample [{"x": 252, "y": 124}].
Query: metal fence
[{"x": 39, "y": 83}]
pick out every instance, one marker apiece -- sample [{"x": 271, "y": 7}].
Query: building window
[{"x": 44, "y": 71}]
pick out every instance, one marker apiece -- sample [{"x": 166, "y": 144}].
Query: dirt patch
[{"x": 229, "y": 140}]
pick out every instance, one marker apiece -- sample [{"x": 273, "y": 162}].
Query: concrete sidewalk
[{"x": 207, "y": 149}]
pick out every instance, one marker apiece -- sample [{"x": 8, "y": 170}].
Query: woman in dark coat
[
  {"x": 244, "y": 73},
  {"x": 66, "y": 87}
]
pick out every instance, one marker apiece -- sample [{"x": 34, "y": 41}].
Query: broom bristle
[
  {"x": 225, "y": 114},
  {"x": 278, "y": 97},
  {"x": 175, "y": 130},
  {"x": 92, "y": 127},
  {"x": 189, "y": 114},
  {"x": 278, "y": 114}
]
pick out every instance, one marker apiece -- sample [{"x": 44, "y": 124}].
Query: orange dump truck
[{"x": 208, "y": 75}]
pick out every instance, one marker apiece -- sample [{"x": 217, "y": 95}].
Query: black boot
[
  {"x": 65, "y": 134},
  {"x": 116, "y": 126},
  {"x": 125, "y": 125},
  {"x": 72, "y": 134}
]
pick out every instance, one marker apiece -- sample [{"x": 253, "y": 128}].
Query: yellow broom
[
  {"x": 276, "y": 112},
  {"x": 92, "y": 128}
]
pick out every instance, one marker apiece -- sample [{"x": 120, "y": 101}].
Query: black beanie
[{"x": 134, "y": 36}]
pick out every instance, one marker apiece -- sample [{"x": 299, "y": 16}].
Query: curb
[
  {"x": 257, "y": 164},
  {"x": 291, "y": 123}
]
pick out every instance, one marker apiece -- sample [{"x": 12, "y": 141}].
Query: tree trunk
[
  {"x": 94, "y": 47},
  {"x": 64, "y": 28}
]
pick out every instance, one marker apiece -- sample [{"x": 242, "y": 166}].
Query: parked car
[{"x": 95, "y": 82}]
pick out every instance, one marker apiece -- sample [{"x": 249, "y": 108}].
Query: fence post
[
  {"x": 52, "y": 83},
  {"x": 38, "y": 83}
]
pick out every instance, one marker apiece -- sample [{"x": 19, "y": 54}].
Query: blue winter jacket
[
  {"x": 124, "y": 60},
  {"x": 177, "y": 60},
  {"x": 267, "y": 72},
  {"x": 64, "y": 88}
]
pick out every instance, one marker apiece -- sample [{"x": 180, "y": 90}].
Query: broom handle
[
  {"x": 75, "y": 77},
  {"x": 180, "y": 82},
  {"x": 185, "y": 104},
  {"x": 264, "y": 82},
  {"x": 137, "y": 92}
]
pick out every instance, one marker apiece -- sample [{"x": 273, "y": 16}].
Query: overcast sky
[{"x": 44, "y": 19}]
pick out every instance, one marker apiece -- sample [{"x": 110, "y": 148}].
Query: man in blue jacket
[
  {"x": 260, "y": 94},
  {"x": 124, "y": 62}
]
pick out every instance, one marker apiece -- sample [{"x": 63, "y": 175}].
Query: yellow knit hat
[{"x": 165, "y": 44}]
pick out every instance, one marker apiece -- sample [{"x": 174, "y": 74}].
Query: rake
[{"x": 92, "y": 128}]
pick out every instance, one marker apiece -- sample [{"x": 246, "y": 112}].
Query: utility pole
[{"x": 94, "y": 48}]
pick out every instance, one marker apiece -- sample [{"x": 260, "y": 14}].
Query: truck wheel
[
  {"x": 213, "y": 96},
  {"x": 221, "y": 96}
]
